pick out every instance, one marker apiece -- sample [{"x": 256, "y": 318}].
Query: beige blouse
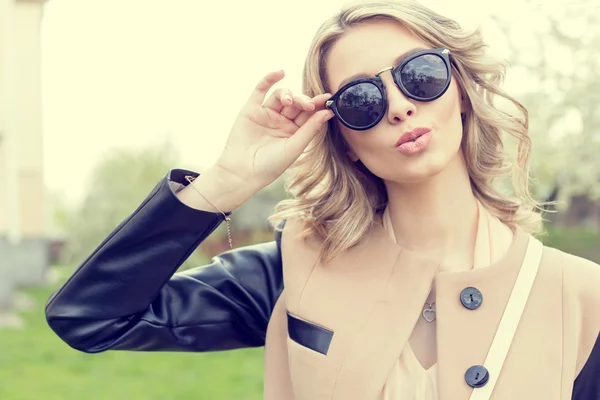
[{"x": 408, "y": 379}]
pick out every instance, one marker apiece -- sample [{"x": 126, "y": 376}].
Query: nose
[{"x": 399, "y": 106}]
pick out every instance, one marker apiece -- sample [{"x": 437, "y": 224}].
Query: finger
[
  {"x": 319, "y": 105},
  {"x": 281, "y": 97},
  {"x": 259, "y": 93},
  {"x": 301, "y": 103},
  {"x": 320, "y": 99},
  {"x": 300, "y": 140}
]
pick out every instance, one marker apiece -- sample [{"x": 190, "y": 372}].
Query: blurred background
[{"x": 99, "y": 99}]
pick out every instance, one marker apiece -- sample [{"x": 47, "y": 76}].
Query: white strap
[{"x": 510, "y": 318}]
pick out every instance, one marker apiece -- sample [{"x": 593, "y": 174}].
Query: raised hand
[{"x": 268, "y": 136}]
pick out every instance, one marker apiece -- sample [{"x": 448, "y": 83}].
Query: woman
[{"x": 392, "y": 271}]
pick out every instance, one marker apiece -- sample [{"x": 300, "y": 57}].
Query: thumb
[{"x": 300, "y": 140}]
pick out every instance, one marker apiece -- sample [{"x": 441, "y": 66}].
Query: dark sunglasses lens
[
  {"x": 360, "y": 105},
  {"x": 425, "y": 76}
]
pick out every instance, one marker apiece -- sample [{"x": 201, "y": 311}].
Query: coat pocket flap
[{"x": 309, "y": 334}]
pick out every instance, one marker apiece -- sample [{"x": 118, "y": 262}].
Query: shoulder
[
  {"x": 292, "y": 229},
  {"x": 296, "y": 237},
  {"x": 580, "y": 276},
  {"x": 581, "y": 301},
  {"x": 580, "y": 286}
]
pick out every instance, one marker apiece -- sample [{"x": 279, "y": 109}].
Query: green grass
[{"x": 36, "y": 364}]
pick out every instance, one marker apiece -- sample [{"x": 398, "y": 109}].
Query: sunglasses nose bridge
[
  {"x": 392, "y": 77},
  {"x": 388, "y": 82},
  {"x": 383, "y": 70}
]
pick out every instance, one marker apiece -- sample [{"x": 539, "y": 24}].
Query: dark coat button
[
  {"x": 477, "y": 376},
  {"x": 471, "y": 298}
]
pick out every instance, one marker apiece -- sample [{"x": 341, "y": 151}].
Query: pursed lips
[{"x": 412, "y": 135}]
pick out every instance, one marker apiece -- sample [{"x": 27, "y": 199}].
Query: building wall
[
  {"x": 22, "y": 201},
  {"x": 28, "y": 118},
  {"x": 6, "y": 141}
]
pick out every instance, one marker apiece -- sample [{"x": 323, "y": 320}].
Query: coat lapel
[
  {"x": 370, "y": 296},
  {"x": 387, "y": 323}
]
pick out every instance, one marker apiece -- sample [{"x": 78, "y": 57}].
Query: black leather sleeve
[{"x": 126, "y": 295}]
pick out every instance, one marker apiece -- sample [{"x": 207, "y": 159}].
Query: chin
[{"x": 415, "y": 171}]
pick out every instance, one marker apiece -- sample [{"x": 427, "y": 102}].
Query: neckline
[
  {"x": 514, "y": 254},
  {"x": 415, "y": 361}
]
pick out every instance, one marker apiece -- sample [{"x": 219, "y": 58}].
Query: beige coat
[{"x": 371, "y": 296}]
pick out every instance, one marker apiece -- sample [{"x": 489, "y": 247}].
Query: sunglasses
[{"x": 422, "y": 76}]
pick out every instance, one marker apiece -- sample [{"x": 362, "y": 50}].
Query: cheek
[
  {"x": 447, "y": 108},
  {"x": 444, "y": 113},
  {"x": 358, "y": 142}
]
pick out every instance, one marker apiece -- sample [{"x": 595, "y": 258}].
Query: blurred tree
[
  {"x": 121, "y": 181},
  {"x": 117, "y": 185},
  {"x": 554, "y": 48}
]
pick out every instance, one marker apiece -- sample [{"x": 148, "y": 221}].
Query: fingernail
[
  {"x": 287, "y": 97},
  {"x": 328, "y": 116}
]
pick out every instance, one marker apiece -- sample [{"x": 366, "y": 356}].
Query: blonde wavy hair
[{"x": 338, "y": 200}]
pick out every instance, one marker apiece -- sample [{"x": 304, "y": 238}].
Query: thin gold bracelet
[{"x": 191, "y": 179}]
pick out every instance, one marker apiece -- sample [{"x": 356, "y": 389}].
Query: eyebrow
[{"x": 397, "y": 61}]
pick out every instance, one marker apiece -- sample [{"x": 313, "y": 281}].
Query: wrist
[
  {"x": 228, "y": 179},
  {"x": 221, "y": 190}
]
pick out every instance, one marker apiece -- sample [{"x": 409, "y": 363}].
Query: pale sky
[{"x": 127, "y": 73}]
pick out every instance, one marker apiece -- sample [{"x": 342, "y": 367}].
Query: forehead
[{"x": 367, "y": 48}]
